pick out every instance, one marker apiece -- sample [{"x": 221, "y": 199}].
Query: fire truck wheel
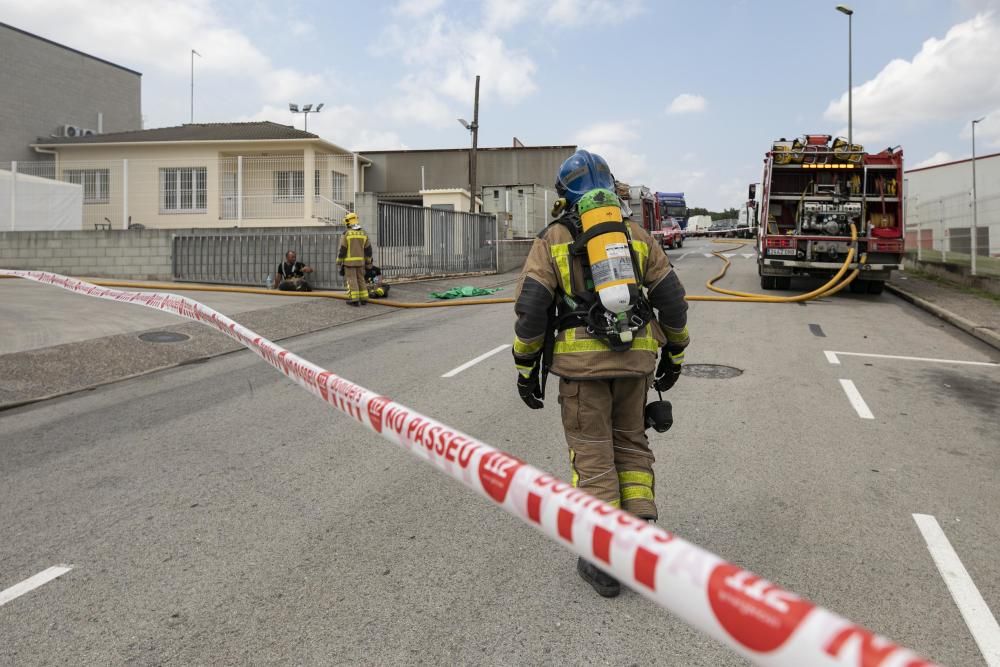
[
  {"x": 768, "y": 282},
  {"x": 876, "y": 286},
  {"x": 859, "y": 287},
  {"x": 783, "y": 282}
]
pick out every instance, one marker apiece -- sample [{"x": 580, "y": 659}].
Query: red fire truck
[{"x": 813, "y": 188}]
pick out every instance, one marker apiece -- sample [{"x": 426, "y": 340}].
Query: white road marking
[
  {"x": 683, "y": 256},
  {"x": 982, "y": 624},
  {"x": 729, "y": 255},
  {"x": 469, "y": 364},
  {"x": 748, "y": 255},
  {"x": 858, "y": 403},
  {"x": 30, "y": 584},
  {"x": 832, "y": 358},
  {"x": 708, "y": 254}
]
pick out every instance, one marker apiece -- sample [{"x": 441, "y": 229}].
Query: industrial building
[
  {"x": 51, "y": 90},
  {"x": 939, "y": 208}
]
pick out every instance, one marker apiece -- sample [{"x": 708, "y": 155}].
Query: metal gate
[
  {"x": 248, "y": 257},
  {"x": 419, "y": 241}
]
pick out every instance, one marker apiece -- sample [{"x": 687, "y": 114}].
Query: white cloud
[
  {"x": 504, "y": 14},
  {"x": 345, "y": 125},
  {"x": 948, "y": 79},
  {"x": 987, "y": 130},
  {"x": 938, "y": 158},
  {"x": 611, "y": 141},
  {"x": 580, "y": 12},
  {"x": 687, "y": 103},
  {"x": 157, "y": 40},
  {"x": 439, "y": 69},
  {"x": 417, "y": 7}
]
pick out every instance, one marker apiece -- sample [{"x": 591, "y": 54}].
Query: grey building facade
[
  {"x": 50, "y": 90},
  {"x": 400, "y": 175}
]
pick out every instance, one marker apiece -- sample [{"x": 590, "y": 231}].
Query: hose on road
[{"x": 833, "y": 286}]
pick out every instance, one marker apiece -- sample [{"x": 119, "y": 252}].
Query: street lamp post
[
  {"x": 844, "y": 9},
  {"x": 306, "y": 110},
  {"x": 473, "y": 127},
  {"x": 975, "y": 201}
]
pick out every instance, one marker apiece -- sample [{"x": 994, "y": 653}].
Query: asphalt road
[{"x": 217, "y": 514}]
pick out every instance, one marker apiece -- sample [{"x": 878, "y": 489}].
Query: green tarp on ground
[{"x": 459, "y": 292}]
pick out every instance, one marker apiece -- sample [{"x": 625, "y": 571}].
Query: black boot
[{"x": 605, "y": 585}]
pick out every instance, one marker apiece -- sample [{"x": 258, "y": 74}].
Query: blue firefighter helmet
[{"x": 582, "y": 172}]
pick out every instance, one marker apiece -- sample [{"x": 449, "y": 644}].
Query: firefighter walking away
[
  {"x": 354, "y": 258},
  {"x": 596, "y": 302}
]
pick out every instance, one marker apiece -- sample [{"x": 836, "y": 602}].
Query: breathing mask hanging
[{"x": 659, "y": 415}]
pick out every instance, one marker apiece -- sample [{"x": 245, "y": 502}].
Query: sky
[{"x": 676, "y": 95}]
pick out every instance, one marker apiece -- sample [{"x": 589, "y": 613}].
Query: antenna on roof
[{"x": 517, "y": 143}]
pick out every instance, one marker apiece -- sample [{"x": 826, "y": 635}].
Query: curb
[
  {"x": 984, "y": 334},
  {"x": 159, "y": 369}
]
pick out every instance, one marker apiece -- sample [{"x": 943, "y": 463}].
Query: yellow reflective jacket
[
  {"x": 355, "y": 249},
  {"x": 546, "y": 281}
]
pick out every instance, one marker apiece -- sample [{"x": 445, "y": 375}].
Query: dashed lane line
[
  {"x": 857, "y": 402},
  {"x": 469, "y": 364},
  {"x": 31, "y": 583},
  {"x": 833, "y": 358},
  {"x": 982, "y": 624}
]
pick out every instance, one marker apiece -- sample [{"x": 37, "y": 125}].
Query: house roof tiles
[{"x": 253, "y": 131}]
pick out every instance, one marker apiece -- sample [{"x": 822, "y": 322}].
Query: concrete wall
[
  {"x": 399, "y": 171},
  {"x": 46, "y": 86},
  {"x": 138, "y": 255},
  {"x": 512, "y": 254}
]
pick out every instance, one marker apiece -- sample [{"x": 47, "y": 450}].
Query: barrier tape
[{"x": 754, "y": 617}]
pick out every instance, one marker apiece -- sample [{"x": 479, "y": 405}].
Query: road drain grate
[
  {"x": 711, "y": 371},
  {"x": 163, "y": 337}
]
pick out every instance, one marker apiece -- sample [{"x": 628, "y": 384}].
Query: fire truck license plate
[{"x": 781, "y": 251}]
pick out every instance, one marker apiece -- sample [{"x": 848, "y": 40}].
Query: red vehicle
[
  {"x": 671, "y": 235},
  {"x": 812, "y": 191}
]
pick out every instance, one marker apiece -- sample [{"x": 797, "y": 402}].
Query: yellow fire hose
[
  {"x": 731, "y": 296},
  {"x": 831, "y": 287}
]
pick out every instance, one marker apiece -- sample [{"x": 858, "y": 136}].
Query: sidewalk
[
  {"x": 961, "y": 307},
  {"x": 68, "y": 348}
]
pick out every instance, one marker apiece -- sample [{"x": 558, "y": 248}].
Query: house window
[
  {"x": 183, "y": 189},
  {"x": 288, "y": 186},
  {"x": 94, "y": 181},
  {"x": 339, "y": 186},
  {"x": 496, "y": 194}
]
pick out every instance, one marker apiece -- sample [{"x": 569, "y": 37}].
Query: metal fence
[
  {"x": 418, "y": 241},
  {"x": 248, "y": 257},
  {"x": 939, "y": 230}
]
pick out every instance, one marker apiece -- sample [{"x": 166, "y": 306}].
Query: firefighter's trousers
[
  {"x": 610, "y": 457},
  {"x": 357, "y": 289}
]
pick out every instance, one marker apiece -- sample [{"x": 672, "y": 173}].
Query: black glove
[
  {"x": 530, "y": 389},
  {"x": 341, "y": 270},
  {"x": 667, "y": 372}
]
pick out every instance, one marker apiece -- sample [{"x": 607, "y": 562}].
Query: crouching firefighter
[
  {"x": 596, "y": 302},
  {"x": 353, "y": 258}
]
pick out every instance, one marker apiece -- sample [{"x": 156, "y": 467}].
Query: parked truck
[
  {"x": 812, "y": 191},
  {"x": 673, "y": 207}
]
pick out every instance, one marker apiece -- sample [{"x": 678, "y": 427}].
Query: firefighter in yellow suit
[
  {"x": 354, "y": 258},
  {"x": 604, "y": 380}
]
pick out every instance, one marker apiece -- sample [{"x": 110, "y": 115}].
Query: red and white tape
[{"x": 756, "y": 618}]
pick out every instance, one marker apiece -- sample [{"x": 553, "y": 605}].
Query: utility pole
[
  {"x": 475, "y": 146},
  {"x": 843, "y": 9},
  {"x": 975, "y": 201},
  {"x": 193, "y": 54}
]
